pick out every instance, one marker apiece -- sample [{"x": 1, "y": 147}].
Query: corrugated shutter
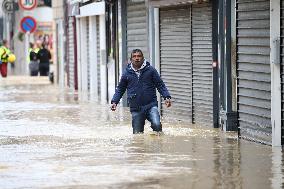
[
  {"x": 175, "y": 60},
  {"x": 98, "y": 56},
  {"x": 282, "y": 66},
  {"x": 71, "y": 52},
  {"x": 253, "y": 62},
  {"x": 137, "y": 27},
  {"x": 202, "y": 81},
  {"x": 88, "y": 50}
]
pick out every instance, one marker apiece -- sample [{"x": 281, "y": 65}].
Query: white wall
[
  {"x": 41, "y": 14},
  {"x": 19, "y": 46}
]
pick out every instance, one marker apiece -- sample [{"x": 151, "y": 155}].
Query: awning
[{"x": 92, "y": 9}]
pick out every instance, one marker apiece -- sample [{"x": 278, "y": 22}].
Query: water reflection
[
  {"x": 51, "y": 138},
  {"x": 277, "y": 168},
  {"x": 227, "y": 154}
]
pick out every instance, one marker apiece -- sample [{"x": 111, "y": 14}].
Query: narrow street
[{"x": 52, "y": 138}]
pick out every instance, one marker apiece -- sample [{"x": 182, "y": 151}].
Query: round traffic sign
[
  {"x": 28, "y": 24},
  {"x": 8, "y": 6},
  {"x": 27, "y": 4}
]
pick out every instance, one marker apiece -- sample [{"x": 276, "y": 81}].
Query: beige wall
[
  {"x": 58, "y": 12},
  {"x": 58, "y": 15}
]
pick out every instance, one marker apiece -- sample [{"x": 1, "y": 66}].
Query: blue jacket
[{"x": 141, "y": 92}]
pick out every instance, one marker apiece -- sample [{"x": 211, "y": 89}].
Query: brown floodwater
[{"x": 55, "y": 138}]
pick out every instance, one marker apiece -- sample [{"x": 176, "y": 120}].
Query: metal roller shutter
[
  {"x": 253, "y": 62},
  {"x": 202, "y": 81},
  {"x": 71, "y": 53},
  {"x": 175, "y": 58},
  {"x": 98, "y": 56},
  {"x": 282, "y": 65},
  {"x": 137, "y": 27}
]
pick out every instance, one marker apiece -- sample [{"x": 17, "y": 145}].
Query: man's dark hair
[{"x": 136, "y": 51}]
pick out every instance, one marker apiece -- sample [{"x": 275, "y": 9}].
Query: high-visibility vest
[
  {"x": 36, "y": 50},
  {"x": 3, "y": 53},
  {"x": 28, "y": 57},
  {"x": 32, "y": 50}
]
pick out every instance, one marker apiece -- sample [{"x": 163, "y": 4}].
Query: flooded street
[{"x": 50, "y": 138}]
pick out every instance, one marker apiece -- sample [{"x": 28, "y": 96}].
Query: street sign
[
  {"x": 27, "y": 4},
  {"x": 8, "y": 6},
  {"x": 28, "y": 24}
]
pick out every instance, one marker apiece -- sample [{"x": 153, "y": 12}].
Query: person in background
[
  {"x": 141, "y": 80},
  {"x": 44, "y": 57},
  {"x": 4, "y": 55},
  {"x": 33, "y": 65},
  {"x": 30, "y": 50}
]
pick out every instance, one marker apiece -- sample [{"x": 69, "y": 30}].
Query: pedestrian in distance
[
  {"x": 44, "y": 57},
  {"x": 33, "y": 63},
  {"x": 6, "y": 56},
  {"x": 30, "y": 49},
  {"x": 141, "y": 80}
]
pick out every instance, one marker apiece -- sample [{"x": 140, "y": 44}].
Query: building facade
[
  {"x": 59, "y": 8},
  {"x": 220, "y": 59}
]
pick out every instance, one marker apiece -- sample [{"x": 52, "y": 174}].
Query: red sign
[
  {"x": 28, "y": 24},
  {"x": 27, "y": 4}
]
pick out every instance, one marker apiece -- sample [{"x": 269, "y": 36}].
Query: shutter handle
[{"x": 276, "y": 51}]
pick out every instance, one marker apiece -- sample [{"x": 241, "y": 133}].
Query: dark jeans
[
  {"x": 44, "y": 68},
  {"x": 139, "y": 117},
  {"x": 33, "y": 66}
]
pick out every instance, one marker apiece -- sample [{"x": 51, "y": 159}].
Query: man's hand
[
  {"x": 168, "y": 102},
  {"x": 113, "y": 107}
]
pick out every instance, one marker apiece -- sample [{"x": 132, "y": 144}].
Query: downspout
[
  {"x": 75, "y": 53},
  {"x": 124, "y": 42},
  {"x": 221, "y": 52},
  {"x": 66, "y": 41},
  {"x": 228, "y": 118},
  {"x": 104, "y": 82},
  {"x": 228, "y": 67},
  {"x": 215, "y": 63}
]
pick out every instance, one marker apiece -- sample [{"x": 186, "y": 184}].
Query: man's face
[{"x": 137, "y": 58}]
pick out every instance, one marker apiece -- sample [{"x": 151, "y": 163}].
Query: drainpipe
[
  {"x": 75, "y": 53},
  {"x": 215, "y": 63},
  {"x": 104, "y": 87},
  {"x": 66, "y": 41},
  {"x": 221, "y": 52},
  {"x": 228, "y": 118},
  {"x": 123, "y": 49}
]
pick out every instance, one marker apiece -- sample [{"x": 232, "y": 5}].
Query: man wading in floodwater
[{"x": 141, "y": 80}]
